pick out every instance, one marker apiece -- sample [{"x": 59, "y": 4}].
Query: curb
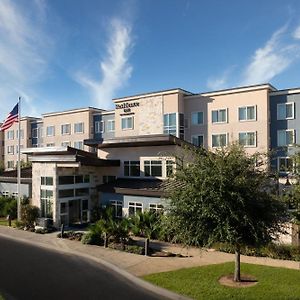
[{"x": 133, "y": 279}]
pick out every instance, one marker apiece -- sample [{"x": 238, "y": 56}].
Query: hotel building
[{"x": 85, "y": 158}]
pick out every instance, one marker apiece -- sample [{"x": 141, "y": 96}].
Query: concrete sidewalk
[{"x": 139, "y": 265}]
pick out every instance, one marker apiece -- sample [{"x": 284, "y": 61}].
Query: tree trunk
[
  {"x": 237, "y": 267},
  {"x": 105, "y": 240}
]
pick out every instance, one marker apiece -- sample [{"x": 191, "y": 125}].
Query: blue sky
[{"x": 64, "y": 54}]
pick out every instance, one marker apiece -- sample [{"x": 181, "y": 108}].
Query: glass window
[
  {"x": 66, "y": 129},
  {"x": 170, "y": 124},
  {"x": 247, "y": 113},
  {"x": 85, "y": 204},
  {"x": 197, "y": 118},
  {"x": 10, "y": 135},
  {"x": 99, "y": 127},
  {"x": 134, "y": 208},
  {"x": 197, "y": 140},
  {"x": 219, "y": 140},
  {"x": 10, "y": 149},
  {"x": 22, "y": 134},
  {"x": 62, "y": 180},
  {"x": 10, "y": 164},
  {"x": 50, "y": 145},
  {"x": 117, "y": 208},
  {"x": 219, "y": 116},
  {"x": 131, "y": 168},
  {"x": 285, "y": 137},
  {"x": 82, "y": 192},
  {"x": 66, "y": 144},
  {"x": 170, "y": 167},
  {"x": 108, "y": 178},
  {"x": 50, "y": 130},
  {"x": 78, "y": 145},
  {"x": 157, "y": 208},
  {"x": 111, "y": 125},
  {"x": 46, "y": 180},
  {"x": 63, "y": 208},
  {"x": 247, "y": 139},
  {"x": 153, "y": 168},
  {"x": 46, "y": 204},
  {"x": 78, "y": 128},
  {"x": 66, "y": 193},
  {"x": 285, "y": 164},
  {"x": 127, "y": 123},
  {"x": 285, "y": 111}
]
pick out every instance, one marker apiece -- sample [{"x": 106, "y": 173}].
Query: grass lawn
[
  {"x": 202, "y": 282},
  {"x": 4, "y": 222}
]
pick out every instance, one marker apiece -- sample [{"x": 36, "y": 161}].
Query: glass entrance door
[{"x": 75, "y": 212}]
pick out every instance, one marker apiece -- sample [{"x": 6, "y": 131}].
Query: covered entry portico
[{"x": 64, "y": 179}]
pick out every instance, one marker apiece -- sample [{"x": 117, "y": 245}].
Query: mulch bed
[{"x": 246, "y": 281}]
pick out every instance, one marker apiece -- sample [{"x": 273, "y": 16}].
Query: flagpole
[{"x": 19, "y": 161}]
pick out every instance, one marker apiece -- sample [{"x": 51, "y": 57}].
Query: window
[
  {"x": 285, "y": 137},
  {"x": 46, "y": 180},
  {"x": 99, "y": 127},
  {"x": 285, "y": 111},
  {"x": 82, "y": 192},
  {"x": 10, "y": 135},
  {"x": 170, "y": 124},
  {"x": 198, "y": 140},
  {"x": 64, "y": 213},
  {"x": 219, "y": 140},
  {"x": 37, "y": 132},
  {"x": 66, "y": 129},
  {"x": 134, "y": 208},
  {"x": 46, "y": 203},
  {"x": 219, "y": 116},
  {"x": 111, "y": 125},
  {"x": 82, "y": 178},
  {"x": 50, "y": 145},
  {"x": 66, "y": 144},
  {"x": 50, "y": 131},
  {"x": 197, "y": 118},
  {"x": 127, "y": 123},
  {"x": 247, "y": 113},
  {"x": 62, "y": 180},
  {"x": 153, "y": 168},
  {"x": 10, "y": 149},
  {"x": 84, "y": 211},
  {"x": 22, "y": 134},
  {"x": 169, "y": 167},
  {"x": 285, "y": 164},
  {"x": 17, "y": 148},
  {"x": 66, "y": 193},
  {"x": 78, "y": 128},
  {"x": 78, "y": 145},
  {"x": 108, "y": 178},
  {"x": 10, "y": 164},
  {"x": 117, "y": 208},
  {"x": 247, "y": 139},
  {"x": 156, "y": 208},
  {"x": 131, "y": 168}
]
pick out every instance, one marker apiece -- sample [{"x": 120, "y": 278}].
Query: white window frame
[
  {"x": 131, "y": 164},
  {"x": 109, "y": 125},
  {"x": 286, "y": 130},
  {"x": 17, "y": 148},
  {"x": 80, "y": 124},
  {"x": 116, "y": 204},
  {"x": 22, "y": 133},
  {"x": 155, "y": 207},
  {"x": 66, "y": 144},
  {"x": 152, "y": 164},
  {"x": 10, "y": 164},
  {"x": 248, "y": 120},
  {"x": 134, "y": 205},
  {"x": 10, "y": 134},
  {"x": 197, "y": 136},
  {"x": 222, "y": 133},
  {"x": 11, "y": 149},
  {"x": 285, "y": 104},
  {"x": 63, "y": 126},
  {"x": 255, "y": 139},
  {"x": 50, "y": 145},
  {"x": 53, "y": 130},
  {"x": 218, "y": 110},
  {"x": 132, "y": 122},
  {"x": 80, "y": 148},
  {"x": 278, "y": 163},
  {"x": 197, "y": 112}
]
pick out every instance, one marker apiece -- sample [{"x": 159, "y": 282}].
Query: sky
[{"x": 64, "y": 54}]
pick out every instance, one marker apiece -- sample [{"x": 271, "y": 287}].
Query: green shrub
[
  {"x": 90, "y": 238},
  {"x": 29, "y": 214},
  {"x": 8, "y": 205}
]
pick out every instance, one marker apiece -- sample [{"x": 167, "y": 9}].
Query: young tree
[{"x": 224, "y": 197}]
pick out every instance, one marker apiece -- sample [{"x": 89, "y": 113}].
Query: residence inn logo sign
[{"x": 127, "y": 106}]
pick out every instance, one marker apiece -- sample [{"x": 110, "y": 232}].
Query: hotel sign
[{"x": 127, "y": 106}]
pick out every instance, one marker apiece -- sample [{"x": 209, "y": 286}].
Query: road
[{"x": 30, "y": 272}]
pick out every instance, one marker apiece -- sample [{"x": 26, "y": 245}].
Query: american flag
[{"x": 11, "y": 118}]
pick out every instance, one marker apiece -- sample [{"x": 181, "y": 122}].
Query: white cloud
[
  {"x": 221, "y": 82},
  {"x": 115, "y": 68},
  {"x": 272, "y": 59},
  {"x": 24, "y": 52},
  {"x": 296, "y": 33}
]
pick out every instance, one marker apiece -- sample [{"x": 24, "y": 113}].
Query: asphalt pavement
[{"x": 29, "y": 272}]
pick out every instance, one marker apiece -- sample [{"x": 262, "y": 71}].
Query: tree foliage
[{"x": 224, "y": 197}]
